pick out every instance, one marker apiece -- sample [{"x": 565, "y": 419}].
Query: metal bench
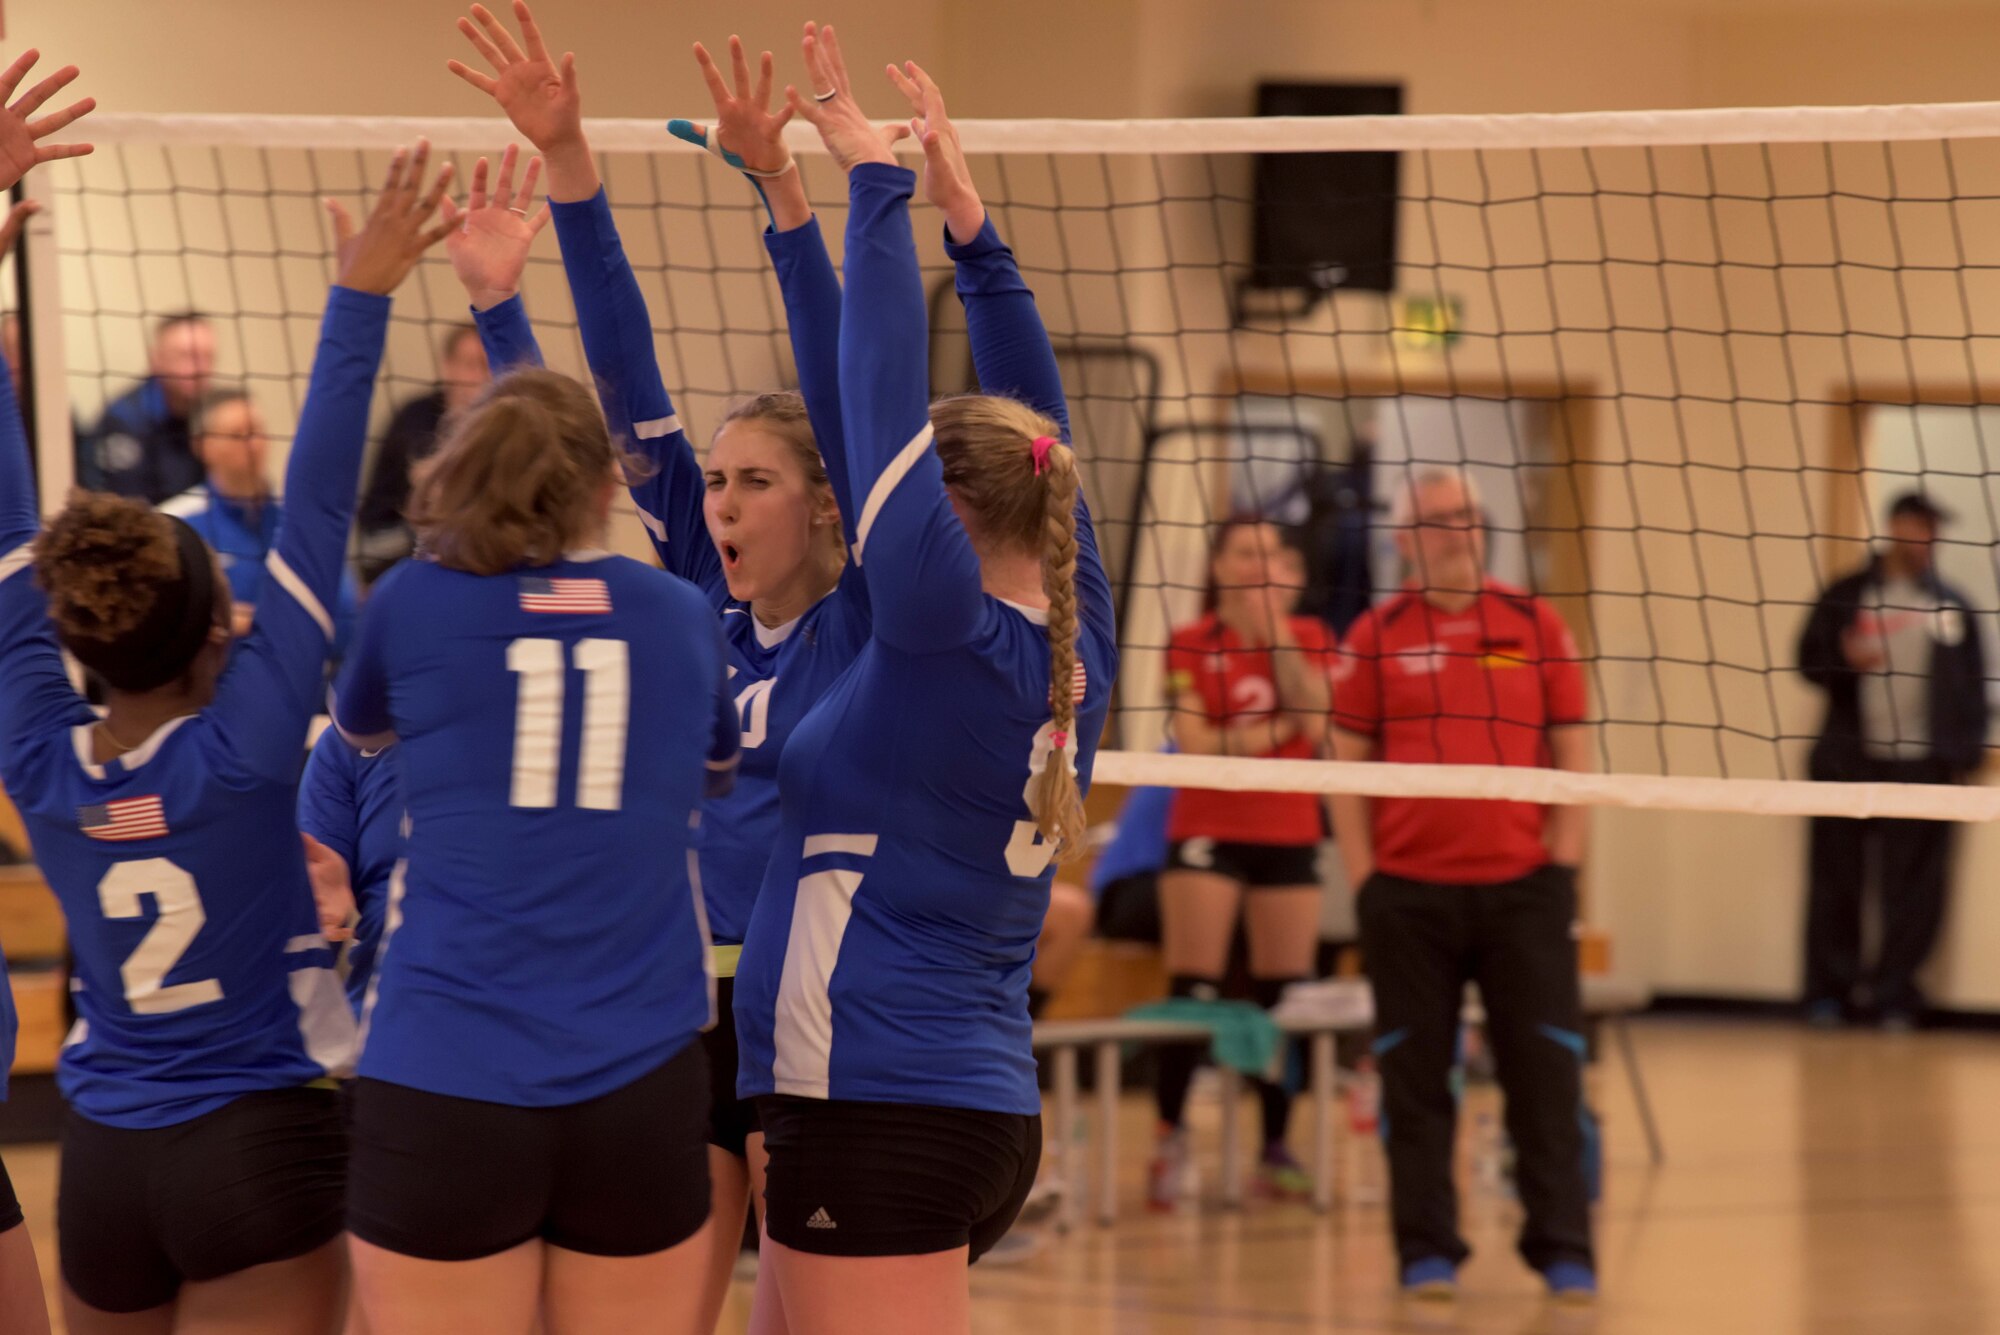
[{"x": 1611, "y": 1000}]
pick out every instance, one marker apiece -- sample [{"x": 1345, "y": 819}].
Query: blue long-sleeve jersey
[
  {"x": 775, "y": 673},
  {"x": 890, "y": 947},
  {"x": 352, "y": 801},
  {"x": 200, "y": 973}
]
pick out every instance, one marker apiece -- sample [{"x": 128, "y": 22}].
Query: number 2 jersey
[
  {"x": 200, "y": 971},
  {"x": 775, "y": 673},
  {"x": 543, "y": 943},
  {"x": 890, "y": 948}
]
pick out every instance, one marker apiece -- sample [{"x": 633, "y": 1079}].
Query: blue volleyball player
[
  {"x": 202, "y": 1158},
  {"x": 882, "y": 1000}
]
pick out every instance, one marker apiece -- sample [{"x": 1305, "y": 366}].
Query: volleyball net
[{"x": 1689, "y": 359}]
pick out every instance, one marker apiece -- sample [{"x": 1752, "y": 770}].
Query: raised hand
[
  {"x": 831, "y": 109},
  {"x": 490, "y": 237},
  {"x": 743, "y": 119},
  {"x": 19, "y": 149},
  {"x": 540, "y": 98},
  {"x": 398, "y": 231},
  {"x": 539, "y": 95},
  {"x": 947, "y": 180},
  {"x": 747, "y": 136}
]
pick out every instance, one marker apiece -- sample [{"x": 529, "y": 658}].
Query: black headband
[{"x": 160, "y": 647}]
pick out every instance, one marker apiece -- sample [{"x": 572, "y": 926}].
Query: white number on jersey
[
  {"x": 1028, "y": 854},
  {"x": 181, "y": 916},
  {"x": 538, "y": 711},
  {"x": 753, "y": 707}
]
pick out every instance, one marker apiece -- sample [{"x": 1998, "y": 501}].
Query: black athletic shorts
[
  {"x": 1257, "y": 866},
  {"x": 10, "y": 1204},
  {"x": 141, "y": 1212},
  {"x": 449, "y": 1179},
  {"x": 893, "y": 1179},
  {"x": 731, "y": 1120}
]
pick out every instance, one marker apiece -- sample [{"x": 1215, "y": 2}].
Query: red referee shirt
[
  {"x": 1236, "y": 685},
  {"x": 1477, "y": 687}
]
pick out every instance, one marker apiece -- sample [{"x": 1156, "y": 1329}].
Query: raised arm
[
  {"x": 1011, "y": 352},
  {"x": 542, "y": 101},
  {"x": 35, "y": 693},
  {"x": 921, "y": 572},
  {"x": 488, "y": 248},
  {"x": 750, "y": 137},
  {"x": 272, "y": 685}
]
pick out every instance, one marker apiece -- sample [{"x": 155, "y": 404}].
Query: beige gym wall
[{"x": 1695, "y": 903}]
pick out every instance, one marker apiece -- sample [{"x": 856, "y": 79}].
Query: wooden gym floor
[{"x": 1823, "y": 1183}]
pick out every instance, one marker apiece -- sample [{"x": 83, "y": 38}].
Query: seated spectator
[
  {"x": 234, "y": 509},
  {"x": 141, "y": 445},
  {"x": 413, "y": 433}
]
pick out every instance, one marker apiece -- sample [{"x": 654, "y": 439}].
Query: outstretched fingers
[
  {"x": 475, "y": 199},
  {"x": 497, "y": 33},
  {"x": 482, "y": 43},
  {"x": 503, "y": 189},
  {"x": 835, "y": 64},
  {"x": 31, "y": 101},
  {"x": 11, "y": 77},
  {"x": 485, "y": 83},
  {"x": 531, "y": 33},
  {"x": 712, "y": 76},
  {"x": 529, "y": 179},
  {"x": 57, "y": 120},
  {"x": 739, "y": 65}
]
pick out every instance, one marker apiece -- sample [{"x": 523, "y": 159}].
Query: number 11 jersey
[{"x": 544, "y": 942}]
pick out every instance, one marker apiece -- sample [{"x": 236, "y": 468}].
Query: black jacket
[{"x": 1957, "y": 694}]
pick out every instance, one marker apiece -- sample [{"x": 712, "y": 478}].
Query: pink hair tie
[
  {"x": 1058, "y": 740},
  {"x": 1039, "y": 452}
]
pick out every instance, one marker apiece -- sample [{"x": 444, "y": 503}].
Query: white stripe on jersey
[
  {"x": 657, "y": 427},
  {"x": 289, "y": 580},
  {"x": 802, "y": 1036},
  {"x": 14, "y": 562},
  {"x": 701, "y": 916},
  {"x": 861, "y": 845},
  {"x": 652, "y": 523},
  {"x": 878, "y": 495},
  {"x": 326, "y": 1023},
  {"x": 392, "y": 918}
]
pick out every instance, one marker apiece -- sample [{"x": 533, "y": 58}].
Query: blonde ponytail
[
  {"x": 988, "y": 446},
  {"x": 1054, "y": 798}
]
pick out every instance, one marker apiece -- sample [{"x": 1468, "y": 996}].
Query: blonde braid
[{"x": 1056, "y": 802}]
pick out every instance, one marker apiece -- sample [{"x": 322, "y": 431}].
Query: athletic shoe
[
  {"x": 1432, "y": 1279},
  {"x": 1015, "y": 1246},
  {"x": 1280, "y": 1177},
  {"x": 1571, "y": 1282},
  {"x": 1171, "y": 1174}
]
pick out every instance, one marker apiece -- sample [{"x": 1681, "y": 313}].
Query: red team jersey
[
  {"x": 1477, "y": 687},
  {"x": 1236, "y": 685}
]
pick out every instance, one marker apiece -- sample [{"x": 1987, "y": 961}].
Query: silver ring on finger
[
  {"x": 522, "y": 212},
  {"x": 826, "y": 96}
]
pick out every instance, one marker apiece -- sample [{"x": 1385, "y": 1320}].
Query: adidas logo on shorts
[{"x": 821, "y": 1219}]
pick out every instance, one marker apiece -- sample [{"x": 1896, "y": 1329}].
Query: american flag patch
[
  {"x": 1079, "y": 680},
  {"x": 126, "y": 819},
  {"x": 569, "y": 597}
]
